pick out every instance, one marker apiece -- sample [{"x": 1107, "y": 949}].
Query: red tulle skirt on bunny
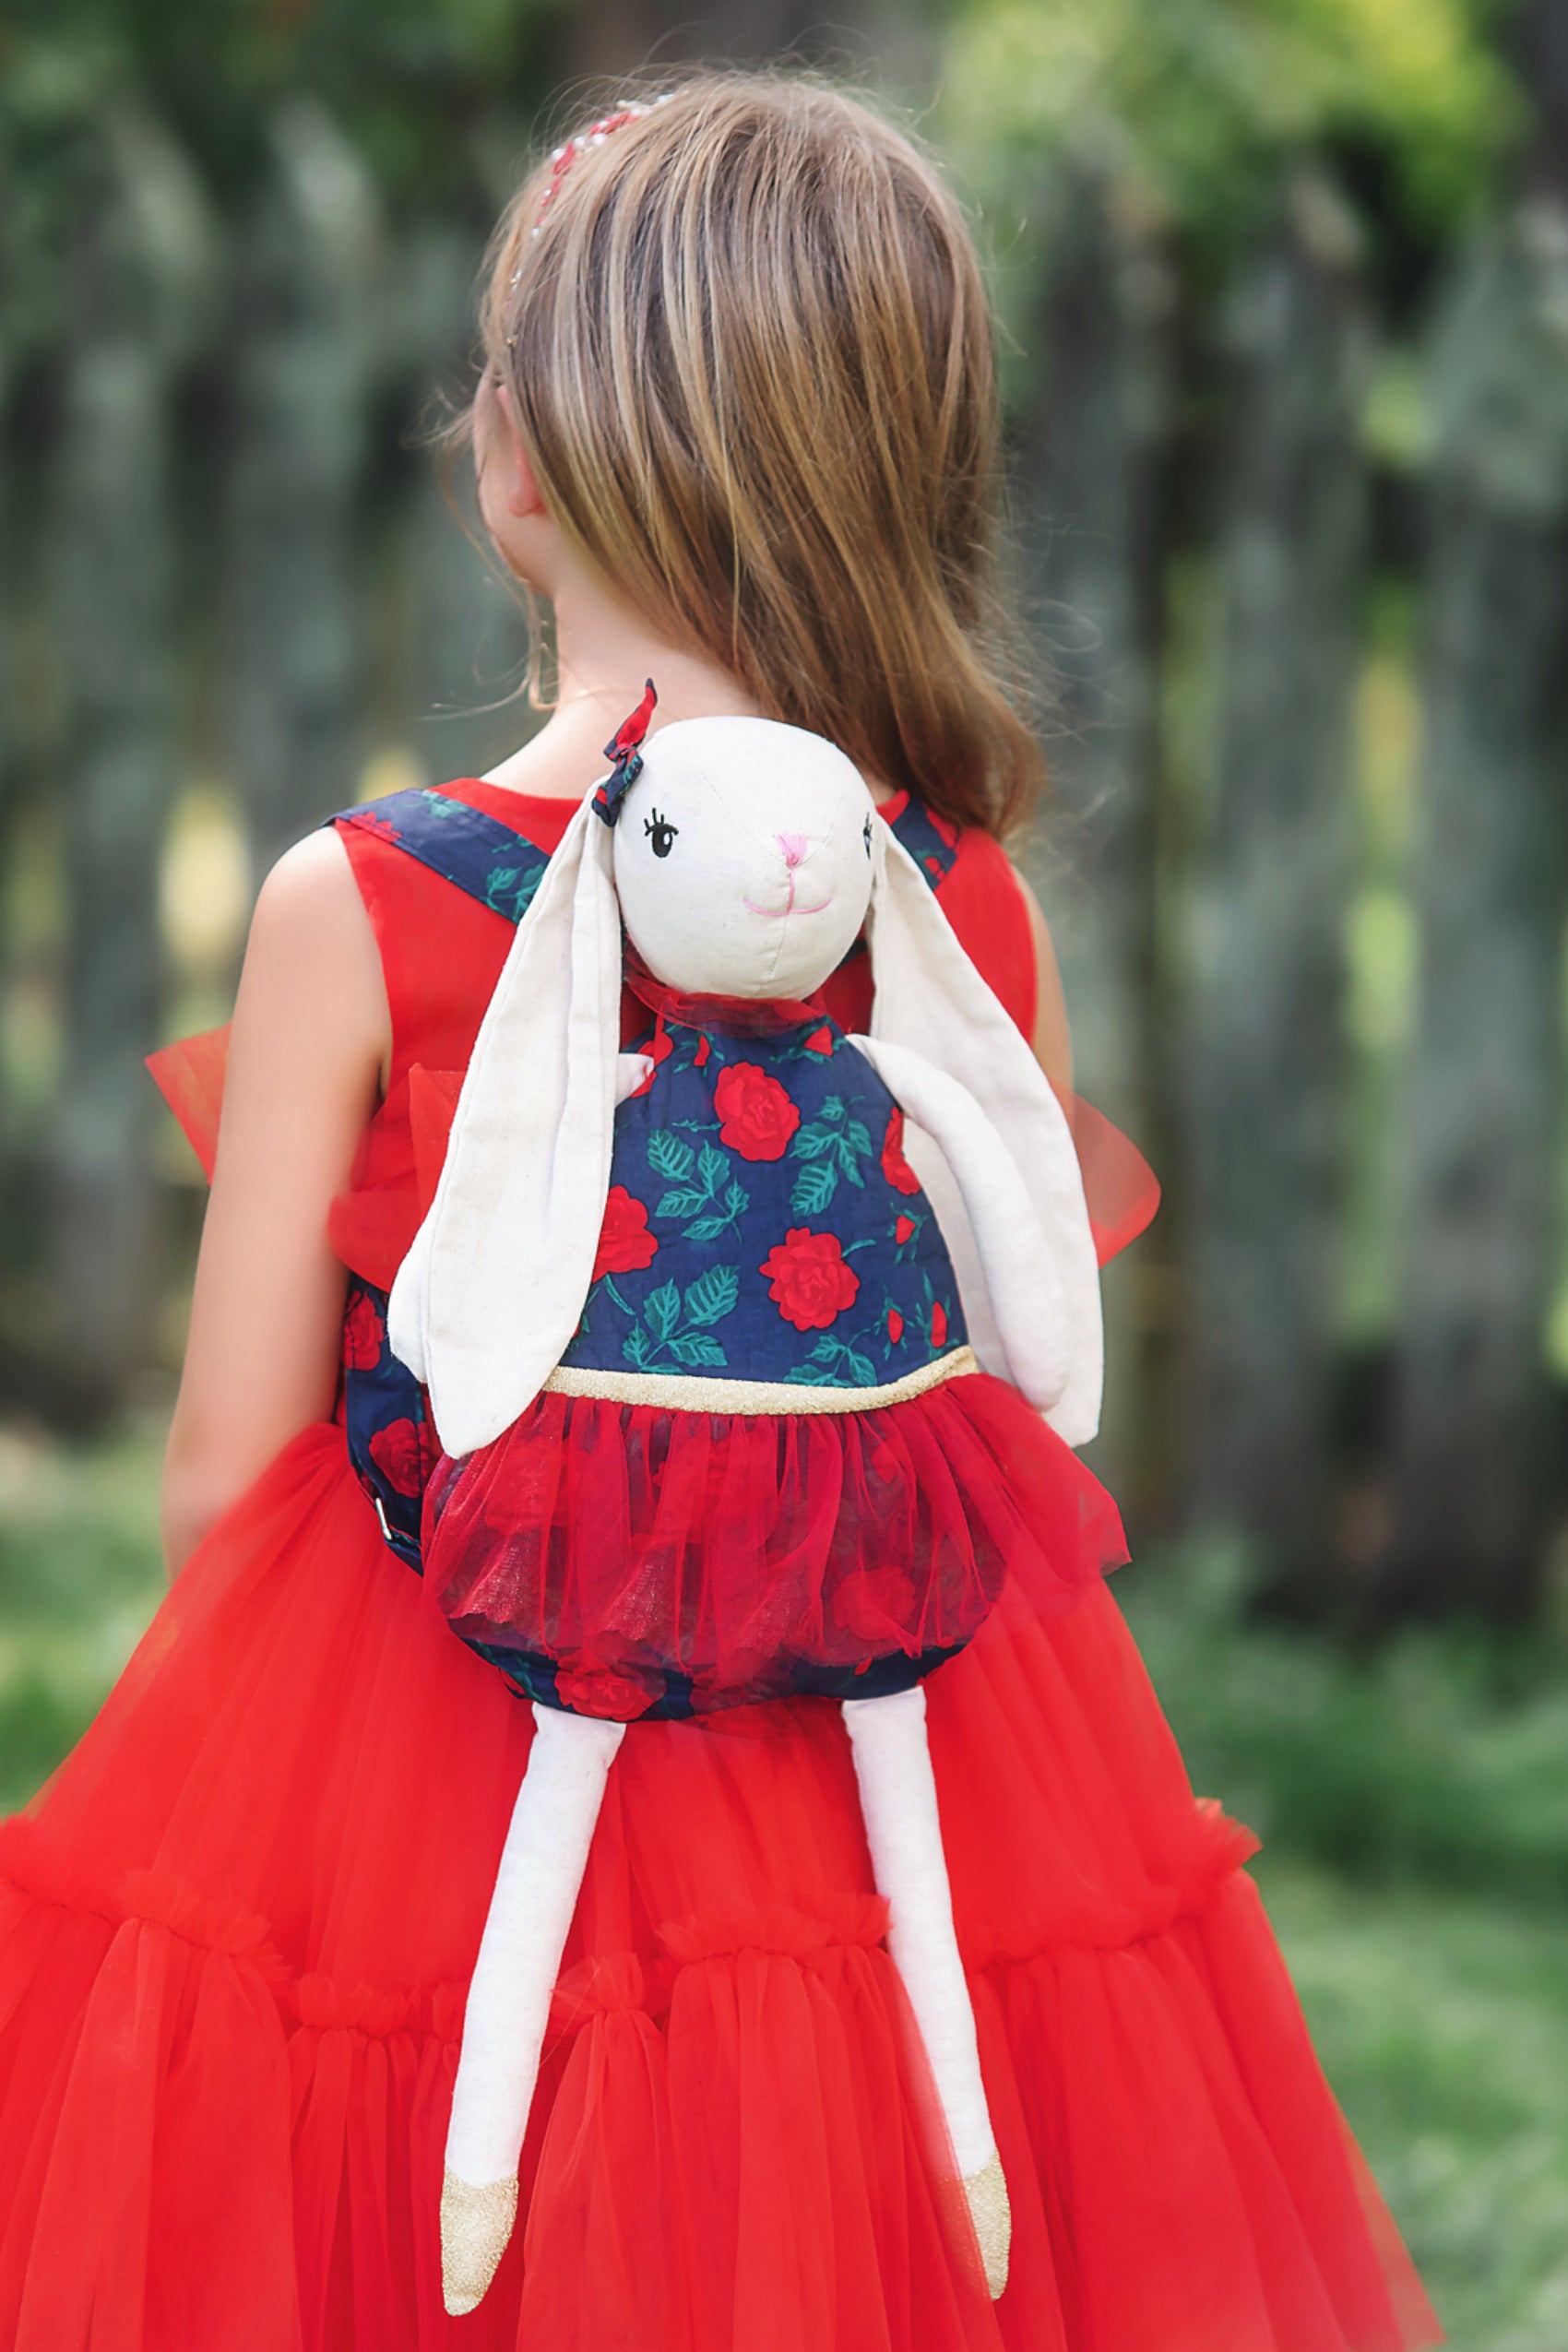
[
  {"x": 236, "y": 1928},
  {"x": 753, "y": 1557}
]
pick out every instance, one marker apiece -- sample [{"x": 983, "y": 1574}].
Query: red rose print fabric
[
  {"x": 401, "y": 1453},
  {"x": 363, "y": 1331},
  {"x": 808, "y": 1280},
  {"x": 598, "y": 1691},
  {"x": 762, "y": 1223},
  {"x": 895, "y": 1167},
  {"x": 756, "y": 1117},
  {"x": 624, "y": 1242}
]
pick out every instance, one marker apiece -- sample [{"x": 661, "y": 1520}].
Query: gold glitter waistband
[{"x": 694, "y": 1393}]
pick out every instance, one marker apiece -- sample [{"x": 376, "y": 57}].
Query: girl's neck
[{"x": 604, "y": 655}]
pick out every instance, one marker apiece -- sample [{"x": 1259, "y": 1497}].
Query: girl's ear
[
  {"x": 930, "y": 997},
  {"x": 489, "y": 1296},
  {"x": 524, "y": 496}
]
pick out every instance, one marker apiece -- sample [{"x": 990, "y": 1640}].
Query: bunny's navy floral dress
[
  {"x": 237, "y": 1924},
  {"x": 768, "y": 1462}
]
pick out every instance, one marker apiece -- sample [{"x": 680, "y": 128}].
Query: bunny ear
[
  {"x": 491, "y": 1290},
  {"x": 930, "y": 997}
]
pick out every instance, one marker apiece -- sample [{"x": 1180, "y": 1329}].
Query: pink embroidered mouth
[{"x": 790, "y": 909}]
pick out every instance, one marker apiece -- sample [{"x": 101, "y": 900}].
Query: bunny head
[{"x": 743, "y": 858}]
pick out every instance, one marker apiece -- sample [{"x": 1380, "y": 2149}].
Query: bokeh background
[{"x": 1284, "y": 286}]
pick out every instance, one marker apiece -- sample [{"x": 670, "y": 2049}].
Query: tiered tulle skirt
[{"x": 235, "y": 1929}]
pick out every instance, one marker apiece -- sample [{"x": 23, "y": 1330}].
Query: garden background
[{"x": 1284, "y": 288}]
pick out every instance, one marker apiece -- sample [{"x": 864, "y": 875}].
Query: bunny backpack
[{"x": 701, "y": 1327}]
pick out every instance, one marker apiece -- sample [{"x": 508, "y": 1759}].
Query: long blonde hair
[{"x": 751, "y": 355}]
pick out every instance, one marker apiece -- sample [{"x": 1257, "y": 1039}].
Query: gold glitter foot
[
  {"x": 476, "y": 2228},
  {"x": 992, "y": 2215}
]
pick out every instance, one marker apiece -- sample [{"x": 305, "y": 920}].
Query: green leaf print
[
  {"x": 713, "y": 1295},
  {"x": 670, "y": 1158},
  {"x": 812, "y": 1142},
  {"x": 833, "y": 1363},
  {"x": 814, "y": 1188},
  {"x": 661, "y": 1309},
  {"x": 697, "y": 1347},
  {"x": 833, "y": 1145},
  {"x": 510, "y": 889}
]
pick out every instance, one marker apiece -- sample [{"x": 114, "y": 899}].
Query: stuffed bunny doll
[{"x": 703, "y": 1328}]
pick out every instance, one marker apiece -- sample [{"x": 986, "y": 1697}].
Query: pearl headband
[{"x": 561, "y": 160}]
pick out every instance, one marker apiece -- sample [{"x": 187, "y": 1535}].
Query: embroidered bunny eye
[
  {"x": 660, "y": 833},
  {"x": 865, "y": 835}
]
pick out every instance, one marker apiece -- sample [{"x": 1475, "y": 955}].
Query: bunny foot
[
  {"x": 476, "y": 2228},
  {"x": 986, "y": 2193}
]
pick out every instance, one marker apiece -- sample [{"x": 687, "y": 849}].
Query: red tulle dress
[{"x": 236, "y": 1927}]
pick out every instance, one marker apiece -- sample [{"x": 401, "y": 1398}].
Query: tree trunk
[
  {"x": 1265, "y": 1070},
  {"x": 305, "y": 327},
  {"x": 608, "y": 37},
  {"x": 1474, "y": 1476},
  {"x": 1088, "y": 452},
  {"x": 462, "y": 630},
  {"x": 136, "y": 275}
]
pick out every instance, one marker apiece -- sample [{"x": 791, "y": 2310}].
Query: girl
[{"x": 737, "y": 425}]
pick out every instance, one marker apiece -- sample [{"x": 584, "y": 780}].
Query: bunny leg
[
  {"x": 887, "y": 1739},
  {"x": 519, "y": 1958}
]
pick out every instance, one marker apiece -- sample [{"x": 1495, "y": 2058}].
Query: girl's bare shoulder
[{"x": 312, "y": 968}]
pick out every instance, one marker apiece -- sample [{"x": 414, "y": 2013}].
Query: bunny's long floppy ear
[
  {"x": 929, "y": 996},
  {"x": 493, "y": 1288}
]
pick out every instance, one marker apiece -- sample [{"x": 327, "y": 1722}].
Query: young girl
[{"x": 737, "y": 425}]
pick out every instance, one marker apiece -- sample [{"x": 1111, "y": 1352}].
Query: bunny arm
[
  {"x": 1023, "y": 1285},
  {"x": 632, "y": 1071}
]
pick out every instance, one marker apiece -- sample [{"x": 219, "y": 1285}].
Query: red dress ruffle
[
  {"x": 630, "y": 1541},
  {"x": 236, "y": 1928}
]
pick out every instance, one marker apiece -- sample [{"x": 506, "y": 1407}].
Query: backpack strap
[
  {"x": 476, "y": 852},
  {"x": 390, "y": 1440},
  {"x": 502, "y": 867},
  {"x": 931, "y": 840},
  {"x": 933, "y": 843}
]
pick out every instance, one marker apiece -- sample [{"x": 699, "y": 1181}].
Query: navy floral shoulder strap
[
  {"x": 931, "y": 841},
  {"x": 491, "y": 860},
  {"x": 501, "y": 867},
  {"x": 390, "y": 1440}
]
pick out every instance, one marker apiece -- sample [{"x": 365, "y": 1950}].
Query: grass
[
  {"x": 1416, "y": 1858},
  {"x": 1442, "y": 2023},
  {"x": 80, "y": 1574},
  {"x": 1414, "y": 1809}
]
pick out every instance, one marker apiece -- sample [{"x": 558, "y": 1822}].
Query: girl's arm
[
  {"x": 1052, "y": 1042},
  {"x": 307, "y": 1058}
]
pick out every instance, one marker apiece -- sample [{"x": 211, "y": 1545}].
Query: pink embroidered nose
[{"x": 794, "y": 846}]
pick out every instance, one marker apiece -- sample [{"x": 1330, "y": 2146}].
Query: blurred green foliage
[
  {"x": 81, "y": 1571},
  {"x": 1438, "y": 1756},
  {"x": 1195, "y": 99},
  {"x": 410, "y": 81}
]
